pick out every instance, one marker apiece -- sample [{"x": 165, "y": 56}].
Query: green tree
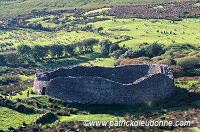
[
  {"x": 113, "y": 48},
  {"x": 12, "y": 58},
  {"x": 117, "y": 53},
  {"x": 89, "y": 43},
  {"x": 134, "y": 54},
  {"x": 99, "y": 29},
  {"x": 68, "y": 50},
  {"x": 2, "y": 60},
  {"x": 24, "y": 51},
  {"x": 39, "y": 52},
  {"x": 56, "y": 50},
  {"x": 153, "y": 50},
  {"x": 105, "y": 46},
  {"x": 189, "y": 62}
]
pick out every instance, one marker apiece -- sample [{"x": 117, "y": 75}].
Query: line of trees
[
  {"x": 114, "y": 50},
  {"x": 38, "y": 52}
]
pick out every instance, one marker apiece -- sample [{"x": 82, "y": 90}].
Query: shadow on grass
[
  {"x": 64, "y": 62},
  {"x": 182, "y": 99}
]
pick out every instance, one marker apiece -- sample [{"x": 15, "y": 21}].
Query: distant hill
[{"x": 10, "y": 8}]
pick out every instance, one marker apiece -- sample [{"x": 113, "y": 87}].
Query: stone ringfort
[{"x": 127, "y": 85}]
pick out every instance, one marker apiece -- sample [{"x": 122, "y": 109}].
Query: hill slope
[{"x": 16, "y": 7}]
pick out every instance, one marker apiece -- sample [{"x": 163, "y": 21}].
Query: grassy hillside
[
  {"x": 16, "y": 7},
  {"x": 141, "y": 31},
  {"x": 9, "y": 117},
  {"x": 152, "y": 30}
]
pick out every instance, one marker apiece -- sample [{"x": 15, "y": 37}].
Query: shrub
[
  {"x": 134, "y": 54},
  {"x": 56, "y": 50},
  {"x": 188, "y": 62},
  {"x": 23, "y": 50},
  {"x": 2, "y": 60},
  {"x": 24, "y": 108},
  {"x": 105, "y": 46},
  {"x": 12, "y": 58},
  {"x": 177, "y": 71},
  {"x": 63, "y": 112},
  {"x": 39, "y": 52},
  {"x": 9, "y": 79},
  {"x": 113, "y": 48},
  {"x": 89, "y": 43},
  {"x": 47, "y": 118},
  {"x": 68, "y": 50},
  {"x": 154, "y": 49},
  {"x": 116, "y": 54}
]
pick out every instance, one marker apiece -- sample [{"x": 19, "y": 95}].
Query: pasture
[
  {"x": 11, "y": 118},
  {"x": 179, "y": 41},
  {"x": 148, "y": 31},
  {"x": 32, "y": 37},
  {"x": 140, "y": 31}
]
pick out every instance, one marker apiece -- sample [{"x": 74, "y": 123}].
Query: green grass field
[
  {"x": 186, "y": 31},
  {"x": 31, "y": 37},
  {"x": 90, "y": 117},
  {"x": 151, "y": 30},
  {"x": 12, "y": 118}
]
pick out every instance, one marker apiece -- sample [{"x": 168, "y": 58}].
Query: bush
[
  {"x": 68, "y": 50},
  {"x": 39, "y": 52},
  {"x": 154, "y": 49},
  {"x": 24, "y": 108},
  {"x": 116, "y": 54},
  {"x": 47, "y": 118},
  {"x": 105, "y": 46},
  {"x": 113, "y": 48},
  {"x": 56, "y": 50},
  {"x": 2, "y": 60},
  {"x": 63, "y": 112},
  {"x": 12, "y": 58},
  {"x": 189, "y": 62},
  {"x": 134, "y": 54},
  {"x": 89, "y": 43},
  {"x": 9, "y": 79}
]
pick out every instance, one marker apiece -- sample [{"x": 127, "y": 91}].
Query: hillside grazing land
[
  {"x": 18, "y": 7},
  {"x": 38, "y": 36}
]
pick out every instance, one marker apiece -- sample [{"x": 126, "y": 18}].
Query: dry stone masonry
[{"x": 128, "y": 85}]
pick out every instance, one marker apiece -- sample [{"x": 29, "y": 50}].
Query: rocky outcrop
[{"x": 129, "y": 84}]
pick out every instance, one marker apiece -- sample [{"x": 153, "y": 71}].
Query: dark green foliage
[
  {"x": 105, "y": 46},
  {"x": 2, "y": 60},
  {"x": 113, "y": 48},
  {"x": 153, "y": 50},
  {"x": 68, "y": 50},
  {"x": 89, "y": 43},
  {"x": 189, "y": 62},
  {"x": 134, "y": 54},
  {"x": 24, "y": 51},
  {"x": 9, "y": 80},
  {"x": 39, "y": 52},
  {"x": 56, "y": 50},
  {"x": 171, "y": 62},
  {"x": 12, "y": 58},
  {"x": 179, "y": 47},
  {"x": 63, "y": 112},
  {"x": 25, "y": 108},
  {"x": 88, "y": 28},
  {"x": 117, "y": 53},
  {"x": 47, "y": 118},
  {"x": 100, "y": 29}
]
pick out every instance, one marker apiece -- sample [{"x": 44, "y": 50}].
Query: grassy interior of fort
[{"x": 39, "y": 36}]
